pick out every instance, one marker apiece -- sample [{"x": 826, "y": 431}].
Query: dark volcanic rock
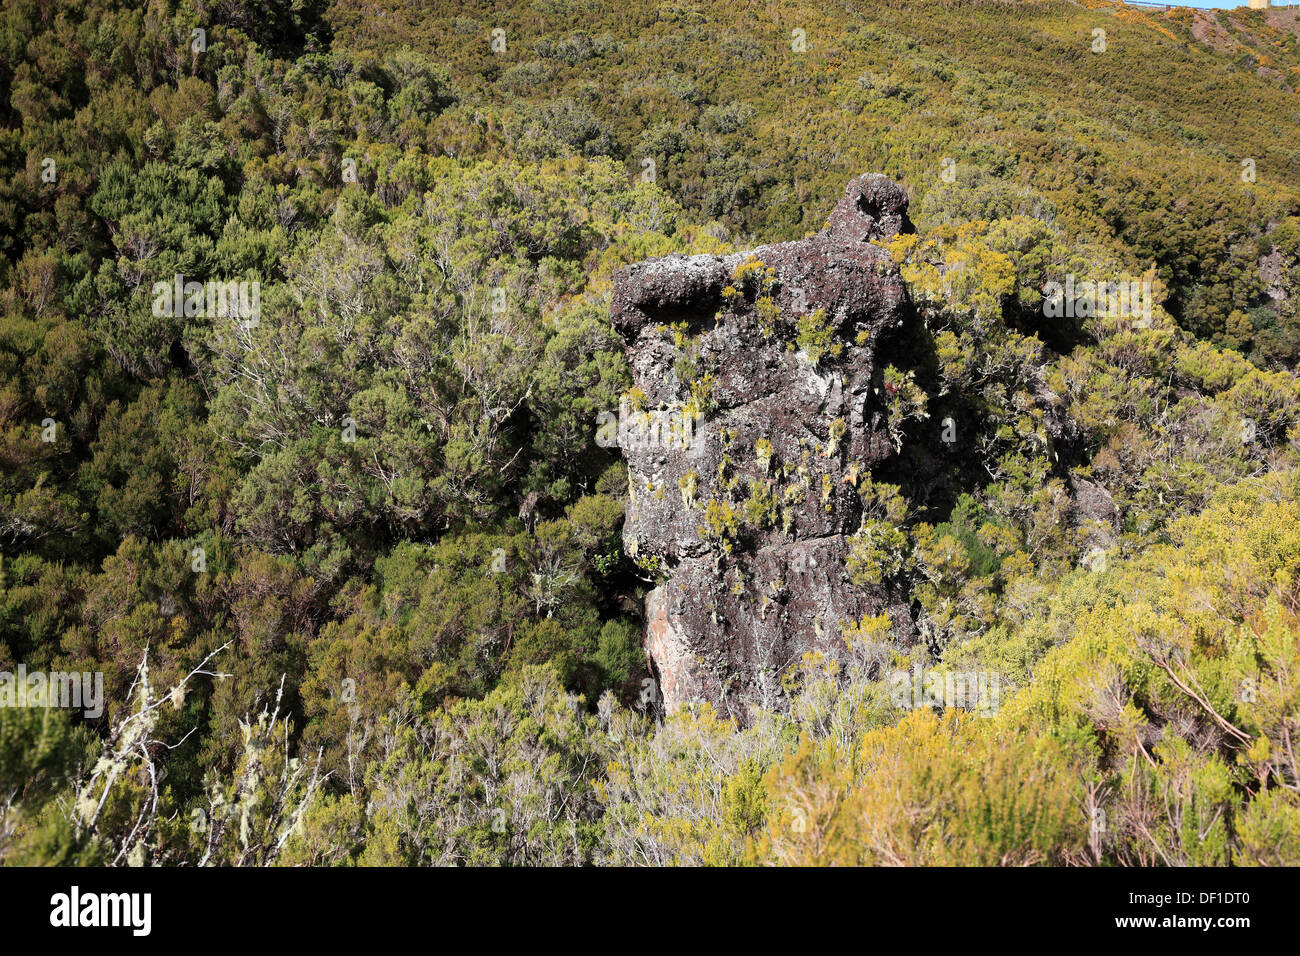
[{"x": 757, "y": 409}]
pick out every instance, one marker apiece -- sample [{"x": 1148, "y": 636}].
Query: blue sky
[{"x": 1218, "y": 4}]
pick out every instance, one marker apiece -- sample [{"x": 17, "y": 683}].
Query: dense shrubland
[{"x": 353, "y": 574}]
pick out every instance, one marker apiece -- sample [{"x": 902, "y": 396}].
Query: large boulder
[{"x": 758, "y": 410}]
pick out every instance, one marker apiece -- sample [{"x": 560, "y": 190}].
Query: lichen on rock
[{"x": 774, "y": 360}]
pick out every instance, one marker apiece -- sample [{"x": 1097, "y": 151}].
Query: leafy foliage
[{"x": 352, "y": 569}]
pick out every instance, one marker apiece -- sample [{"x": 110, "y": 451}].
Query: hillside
[
  {"x": 364, "y": 510},
  {"x": 1138, "y": 148}
]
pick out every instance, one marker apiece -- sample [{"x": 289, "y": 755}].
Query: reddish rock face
[{"x": 761, "y": 407}]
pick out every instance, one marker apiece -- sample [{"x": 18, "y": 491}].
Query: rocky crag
[{"x": 759, "y": 409}]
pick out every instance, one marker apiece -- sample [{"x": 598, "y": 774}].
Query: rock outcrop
[{"x": 758, "y": 409}]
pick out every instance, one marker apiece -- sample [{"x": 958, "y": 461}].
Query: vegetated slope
[
  {"x": 380, "y": 511},
  {"x": 1159, "y": 732},
  {"x": 1138, "y": 146},
  {"x": 1267, "y": 41}
]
